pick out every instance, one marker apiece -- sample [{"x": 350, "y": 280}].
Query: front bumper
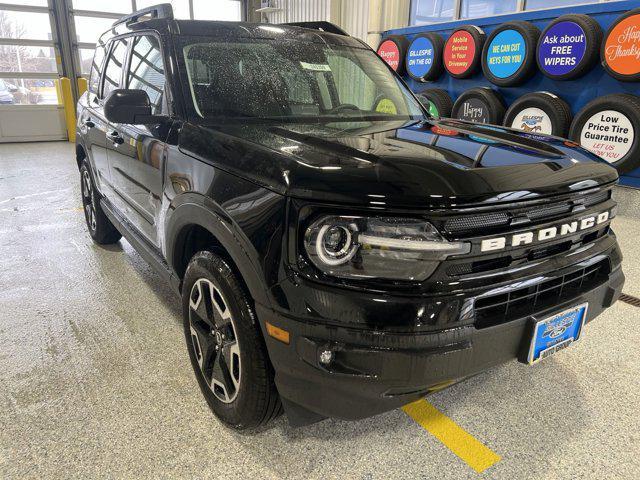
[{"x": 374, "y": 369}]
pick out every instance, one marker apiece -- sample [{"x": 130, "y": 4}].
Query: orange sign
[{"x": 622, "y": 46}]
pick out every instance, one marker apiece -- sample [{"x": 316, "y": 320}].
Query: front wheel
[
  {"x": 226, "y": 349},
  {"x": 100, "y": 228}
]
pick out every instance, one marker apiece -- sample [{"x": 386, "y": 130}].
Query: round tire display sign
[
  {"x": 474, "y": 110},
  {"x": 420, "y": 57},
  {"x": 459, "y": 52},
  {"x": 390, "y": 53},
  {"x": 562, "y": 48},
  {"x": 533, "y": 120},
  {"x": 608, "y": 134},
  {"x": 621, "y": 48},
  {"x": 506, "y": 53}
]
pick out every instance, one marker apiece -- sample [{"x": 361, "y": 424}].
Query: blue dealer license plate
[{"x": 556, "y": 332}]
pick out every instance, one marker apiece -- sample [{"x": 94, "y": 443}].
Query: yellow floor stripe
[{"x": 473, "y": 452}]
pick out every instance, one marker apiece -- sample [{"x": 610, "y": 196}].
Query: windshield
[{"x": 295, "y": 81}]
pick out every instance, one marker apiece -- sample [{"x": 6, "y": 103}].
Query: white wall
[
  {"x": 30, "y": 123},
  {"x": 364, "y": 19}
]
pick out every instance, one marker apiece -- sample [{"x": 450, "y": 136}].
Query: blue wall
[{"x": 576, "y": 92}]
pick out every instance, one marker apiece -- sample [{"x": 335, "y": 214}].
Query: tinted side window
[
  {"x": 113, "y": 69},
  {"x": 96, "y": 67},
  {"x": 146, "y": 71}
]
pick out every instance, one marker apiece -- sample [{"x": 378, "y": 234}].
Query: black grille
[
  {"x": 481, "y": 222},
  {"x": 519, "y": 303}
]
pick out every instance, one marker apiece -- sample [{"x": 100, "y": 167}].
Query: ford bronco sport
[{"x": 338, "y": 252}]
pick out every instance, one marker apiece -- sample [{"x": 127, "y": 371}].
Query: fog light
[{"x": 326, "y": 357}]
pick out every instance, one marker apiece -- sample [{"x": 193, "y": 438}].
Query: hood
[{"x": 415, "y": 165}]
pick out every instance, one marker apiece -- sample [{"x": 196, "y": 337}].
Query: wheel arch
[
  {"x": 194, "y": 226},
  {"x": 81, "y": 154}
]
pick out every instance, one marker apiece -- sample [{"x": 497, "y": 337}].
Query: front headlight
[{"x": 378, "y": 247}]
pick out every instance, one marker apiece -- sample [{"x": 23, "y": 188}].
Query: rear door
[{"x": 137, "y": 155}]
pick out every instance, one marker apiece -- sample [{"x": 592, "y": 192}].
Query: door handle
[
  {"x": 88, "y": 124},
  {"x": 115, "y": 137}
]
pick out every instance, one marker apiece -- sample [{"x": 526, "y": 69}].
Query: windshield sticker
[
  {"x": 316, "y": 67},
  {"x": 386, "y": 106}
]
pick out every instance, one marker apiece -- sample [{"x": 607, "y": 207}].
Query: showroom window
[
  {"x": 486, "y": 8},
  {"x": 423, "y": 12},
  {"x": 28, "y": 53},
  {"x": 432, "y": 11},
  {"x": 91, "y": 19}
]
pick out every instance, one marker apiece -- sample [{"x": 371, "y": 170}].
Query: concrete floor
[{"x": 95, "y": 379}]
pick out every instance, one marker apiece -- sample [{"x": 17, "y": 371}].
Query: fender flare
[{"x": 191, "y": 209}]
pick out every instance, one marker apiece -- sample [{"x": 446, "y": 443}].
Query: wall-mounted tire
[
  {"x": 458, "y": 62},
  {"x": 479, "y": 105},
  {"x": 393, "y": 50},
  {"x": 582, "y": 34},
  {"x": 539, "y": 112},
  {"x": 622, "y": 67},
  {"x": 609, "y": 126},
  {"x": 437, "y": 102},
  {"x": 509, "y": 73},
  {"x": 428, "y": 65}
]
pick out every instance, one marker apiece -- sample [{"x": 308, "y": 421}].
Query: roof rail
[
  {"x": 163, "y": 10},
  {"x": 322, "y": 26}
]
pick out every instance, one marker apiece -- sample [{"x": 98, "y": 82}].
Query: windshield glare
[{"x": 293, "y": 80}]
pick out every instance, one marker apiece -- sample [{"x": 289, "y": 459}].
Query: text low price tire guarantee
[{"x": 609, "y": 126}]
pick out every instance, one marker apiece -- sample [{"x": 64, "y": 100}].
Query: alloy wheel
[
  {"x": 214, "y": 340},
  {"x": 87, "y": 200}
]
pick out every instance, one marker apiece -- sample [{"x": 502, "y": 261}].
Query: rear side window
[
  {"x": 113, "y": 68},
  {"x": 146, "y": 71},
  {"x": 96, "y": 67}
]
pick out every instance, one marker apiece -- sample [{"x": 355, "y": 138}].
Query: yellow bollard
[
  {"x": 69, "y": 108},
  {"x": 82, "y": 86}
]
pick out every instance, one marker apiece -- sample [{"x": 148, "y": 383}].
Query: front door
[{"x": 137, "y": 152}]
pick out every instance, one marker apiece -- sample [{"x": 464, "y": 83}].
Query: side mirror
[{"x": 130, "y": 106}]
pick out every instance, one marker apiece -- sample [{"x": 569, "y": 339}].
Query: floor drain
[{"x": 630, "y": 299}]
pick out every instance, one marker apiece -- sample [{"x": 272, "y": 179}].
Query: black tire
[
  {"x": 436, "y": 66},
  {"x": 592, "y": 36},
  {"x": 530, "y": 34},
  {"x": 488, "y": 101},
  {"x": 100, "y": 227},
  {"x": 401, "y": 44},
  {"x": 438, "y": 100},
  {"x": 630, "y": 76},
  {"x": 250, "y": 399},
  {"x": 555, "y": 113},
  {"x": 478, "y": 37},
  {"x": 623, "y": 105}
]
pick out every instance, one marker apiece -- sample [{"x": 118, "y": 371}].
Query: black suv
[{"x": 338, "y": 252}]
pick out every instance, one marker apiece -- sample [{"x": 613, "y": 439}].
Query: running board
[{"x": 146, "y": 251}]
